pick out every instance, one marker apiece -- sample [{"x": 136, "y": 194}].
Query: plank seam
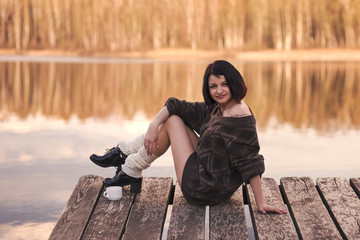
[
  {"x": 171, "y": 195},
  {"x": 352, "y": 184},
  {"x": 92, "y": 211},
  {"x": 247, "y": 196},
  {"x": 283, "y": 195},
  {"x": 286, "y": 200},
  {"x": 128, "y": 215},
  {"x": 327, "y": 206}
]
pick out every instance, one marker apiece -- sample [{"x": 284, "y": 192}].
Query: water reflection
[
  {"x": 324, "y": 96},
  {"x": 29, "y": 230},
  {"x": 53, "y": 115},
  {"x": 94, "y": 90}
]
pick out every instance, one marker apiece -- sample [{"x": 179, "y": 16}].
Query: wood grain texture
[
  {"x": 227, "y": 220},
  {"x": 187, "y": 221},
  {"x": 270, "y": 225},
  {"x": 355, "y": 183},
  {"x": 309, "y": 214},
  {"x": 148, "y": 213},
  {"x": 78, "y": 209},
  {"x": 343, "y": 203},
  {"x": 109, "y": 217}
]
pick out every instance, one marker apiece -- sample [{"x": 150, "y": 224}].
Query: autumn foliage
[{"x": 129, "y": 25}]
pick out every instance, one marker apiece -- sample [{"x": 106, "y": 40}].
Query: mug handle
[{"x": 105, "y": 194}]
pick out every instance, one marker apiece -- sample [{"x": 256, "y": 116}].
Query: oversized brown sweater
[{"x": 226, "y": 153}]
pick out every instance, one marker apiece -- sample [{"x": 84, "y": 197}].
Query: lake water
[{"x": 55, "y": 112}]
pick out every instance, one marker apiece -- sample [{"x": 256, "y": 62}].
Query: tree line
[{"x": 138, "y": 25}]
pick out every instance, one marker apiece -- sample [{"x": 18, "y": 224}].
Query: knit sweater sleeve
[
  {"x": 192, "y": 113},
  {"x": 242, "y": 143}
]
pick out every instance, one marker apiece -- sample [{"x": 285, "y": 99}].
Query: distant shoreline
[{"x": 342, "y": 55}]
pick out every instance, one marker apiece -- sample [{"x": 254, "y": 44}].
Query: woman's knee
[{"x": 173, "y": 121}]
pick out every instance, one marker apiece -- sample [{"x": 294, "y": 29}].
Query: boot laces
[
  {"x": 109, "y": 149},
  {"x": 122, "y": 155}
]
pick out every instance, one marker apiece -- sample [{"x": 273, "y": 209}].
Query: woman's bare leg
[
  {"x": 164, "y": 141},
  {"x": 183, "y": 142}
]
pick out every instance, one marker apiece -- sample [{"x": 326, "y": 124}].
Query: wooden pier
[{"x": 328, "y": 208}]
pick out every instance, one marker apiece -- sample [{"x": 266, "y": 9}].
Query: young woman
[{"x": 214, "y": 143}]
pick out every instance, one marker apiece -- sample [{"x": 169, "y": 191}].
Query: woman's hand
[
  {"x": 264, "y": 208},
  {"x": 151, "y": 140}
]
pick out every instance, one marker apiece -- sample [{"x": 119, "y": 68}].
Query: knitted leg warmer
[
  {"x": 132, "y": 146},
  {"x": 136, "y": 162}
]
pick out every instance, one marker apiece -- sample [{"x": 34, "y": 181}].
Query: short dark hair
[{"x": 232, "y": 76}]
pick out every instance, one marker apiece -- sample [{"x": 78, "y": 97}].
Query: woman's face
[{"x": 219, "y": 90}]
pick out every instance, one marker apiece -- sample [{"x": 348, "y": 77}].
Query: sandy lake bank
[{"x": 189, "y": 54}]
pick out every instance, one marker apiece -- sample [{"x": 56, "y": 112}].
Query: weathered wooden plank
[
  {"x": 355, "y": 183},
  {"x": 187, "y": 221},
  {"x": 343, "y": 204},
  {"x": 271, "y": 226},
  {"x": 109, "y": 217},
  {"x": 227, "y": 220},
  {"x": 148, "y": 213},
  {"x": 309, "y": 213},
  {"x": 78, "y": 209}
]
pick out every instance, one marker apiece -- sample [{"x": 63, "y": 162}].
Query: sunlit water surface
[{"x": 53, "y": 115}]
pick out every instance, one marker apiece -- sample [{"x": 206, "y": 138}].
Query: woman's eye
[{"x": 213, "y": 86}]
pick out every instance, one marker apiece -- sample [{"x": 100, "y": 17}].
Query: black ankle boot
[
  {"x": 113, "y": 157},
  {"x": 122, "y": 179}
]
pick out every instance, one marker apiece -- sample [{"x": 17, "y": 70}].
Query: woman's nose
[{"x": 219, "y": 89}]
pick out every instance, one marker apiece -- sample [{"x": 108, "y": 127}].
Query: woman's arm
[
  {"x": 192, "y": 113},
  {"x": 262, "y": 207},
  {"x": 152, "y": 135}
]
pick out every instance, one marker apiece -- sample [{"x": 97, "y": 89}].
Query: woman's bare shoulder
[{"x": 240, "y": 110}]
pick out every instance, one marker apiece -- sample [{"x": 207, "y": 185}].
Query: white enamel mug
[{"x": 113, "y": 193}]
